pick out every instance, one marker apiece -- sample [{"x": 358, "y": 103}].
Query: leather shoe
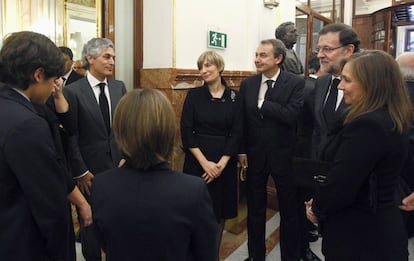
[
  {"x": 309, "y": 256},
  {"x": 249, "y": 259}
]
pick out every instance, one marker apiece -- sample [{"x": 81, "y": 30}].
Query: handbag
[{"x": 309, "y": 173}]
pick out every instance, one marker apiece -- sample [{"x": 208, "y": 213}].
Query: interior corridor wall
[{"x": 176, "y": 31}]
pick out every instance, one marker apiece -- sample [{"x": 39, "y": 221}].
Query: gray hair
[
  {"x": 93, "y": 48},
  {"x": 406, "y": 64}
]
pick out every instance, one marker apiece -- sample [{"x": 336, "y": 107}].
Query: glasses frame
[{"x": 327, "y": 50}]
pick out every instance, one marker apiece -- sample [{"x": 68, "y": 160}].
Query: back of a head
[
  {"x": 23, "y": 53},
  {"x": 406, "y": 64},
  {"x": 144, "y": 128},
  {"x": 347, "y": 35},
  {"x": 67, "y": 51},
  {"x": 93, "y": 47},
  {"x": 314, "y": 64}
]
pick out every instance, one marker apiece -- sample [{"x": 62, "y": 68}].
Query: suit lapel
[
  {"x": 116, "y": 94},
  {"x": 324, "y": 83},
  {"x": 256, "y": 87},
  {"x": 91, "y": 104}
]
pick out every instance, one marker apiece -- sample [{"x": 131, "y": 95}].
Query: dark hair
[
  {"x": 347, "y": 35},
  {"x": 314, "y": 64},
  {"x": 25, "y": 52},
  {"x": 67, "y": 51},
  {"x": 280, "y": 31},
  {"x": 279, "y": 48}
]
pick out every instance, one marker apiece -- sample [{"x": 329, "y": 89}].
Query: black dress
[{"x": 214, "y": 125}]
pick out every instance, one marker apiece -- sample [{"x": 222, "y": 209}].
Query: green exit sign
[{"x": 217, "y": 40}]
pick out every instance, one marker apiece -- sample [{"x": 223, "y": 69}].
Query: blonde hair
[
  {"x": 144, "y": 127},
  {"x": 213, "y": 58},
  {"x": 383, "y": 86}
]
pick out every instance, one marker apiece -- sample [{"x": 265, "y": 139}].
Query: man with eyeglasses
[{"x": 336, "y": 41}]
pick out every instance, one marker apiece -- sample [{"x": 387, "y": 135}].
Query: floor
[{"x": 234, "y": 246}]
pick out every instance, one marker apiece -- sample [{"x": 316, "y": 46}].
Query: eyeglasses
[{"x": 327, "y": 49}]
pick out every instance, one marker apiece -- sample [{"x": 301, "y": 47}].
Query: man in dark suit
[
  {"x": 92, "y": 149},
  {"x": 69, "y": 75},
  {"x": 272, "y": 101},
  {"x": 336, "y": 41},
  {"x": 303, "y": 149},
  {"x": 34, "y": 219}
]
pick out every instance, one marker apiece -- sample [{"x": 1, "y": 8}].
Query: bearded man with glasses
[{"x": 336, "y": 41}]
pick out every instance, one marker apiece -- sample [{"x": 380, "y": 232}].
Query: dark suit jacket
[
  {"x": 305, "y": 120},
  {"x": 73, "y": 77},
  {"x": 356, "y": 206},
  {"x": 270, "y": 133},
  {"x": 158, "y": 214},
  {"x": 321, "y": 129},
  {"x": 91, "y": 148},
  {"x": 34, "y": 220},
  {"x": 408, "y": 170}
]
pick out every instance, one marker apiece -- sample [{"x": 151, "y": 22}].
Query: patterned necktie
[{"x": 104, "y": 105}]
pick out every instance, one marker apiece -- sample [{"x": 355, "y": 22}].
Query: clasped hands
[{"x": 212, "y": 171}]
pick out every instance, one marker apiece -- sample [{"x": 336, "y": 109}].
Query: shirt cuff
[{"x": 80, "y": 176}]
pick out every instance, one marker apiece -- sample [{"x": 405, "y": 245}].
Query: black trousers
[{"x": 256, "y": 214}]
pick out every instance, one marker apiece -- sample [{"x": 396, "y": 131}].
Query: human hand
[
  {"x": 85, "y": 213},
  {"x": 408, "y": 203},
  {"x": 309, "y": 213},
  {"x": 121, "y": 163},
  {"x": 85, "y": 182},
  {"x": 57, "y": 88}
]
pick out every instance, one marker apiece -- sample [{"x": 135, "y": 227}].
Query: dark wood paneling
[{"x": 363, "y": 27}]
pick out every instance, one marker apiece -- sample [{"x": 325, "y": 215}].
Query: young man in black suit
[
  {"x": 92, "y": 149},
  {"x": 69, "y": 75},
  {"x": 336, "y": 41},
  {"x": 272, "y": 100},
  {"x": 34, "y": 218}
]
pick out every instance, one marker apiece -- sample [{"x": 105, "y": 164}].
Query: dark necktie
[
  {"x": 330, "y": 104},
  {"x": 269, "y": 87},
  {"x": 64, "y": 81},
  {"x": 103, "y": 104}
]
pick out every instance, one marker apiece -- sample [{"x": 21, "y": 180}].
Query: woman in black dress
[
  {"x": 211, "y": 128},
  {"x": 356, "y": 206}
]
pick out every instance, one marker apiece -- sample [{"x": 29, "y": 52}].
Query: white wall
[
  {"x": 176, "y": 33},
  {"x": 124, "y": 61},
  {"x": 158, "y": 33}
]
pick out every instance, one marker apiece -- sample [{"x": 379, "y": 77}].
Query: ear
[
  {"x": 278, "y": 59},
  {"x": 349, "y": 49},
  {"x": 90, "y": 59},
  {"x": 38, "y": 75}
]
